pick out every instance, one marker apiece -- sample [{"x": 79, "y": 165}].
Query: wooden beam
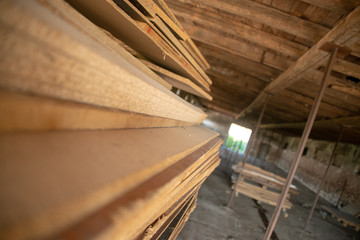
[
  {"x": 347, "y": 68},
  {"x": 225, "y": 43},
  {"x": 346, "y": 121},
  {"x": 257, "y": 54},
  {"x": 245, "y": 65},
  {"x": 269, "y": 16},
  {"x": 234, "y": 73},
  {"x": 332, "y": 97},
  {"x": 326, "y": 109},
  {"x": 239, "y": 98},
  {"x": 238, "y": 82},
  {"x": 230, "y": 98},
  {"x": 216, "y": 108},
  {"x": 344, "y": 34},
  {"x": 254, "y": 35},
  {"x": 346, "y": 89},
  {"x": 356, "y": 49},
  {"x": 339, "y": 6}
]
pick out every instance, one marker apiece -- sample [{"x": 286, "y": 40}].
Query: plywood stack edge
[{"x": 93, "y": 144}]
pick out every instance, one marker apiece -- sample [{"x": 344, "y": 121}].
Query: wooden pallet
[
  {"x": 260, "y": 193},
  {"x": 344, "y": 218},
  {"x": 264, "y": 178}
]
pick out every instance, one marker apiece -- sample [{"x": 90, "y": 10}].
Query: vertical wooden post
[
  {"x": 249, "y": 146},
  {"x": 301, "y": 147},
  {"x": 323, "y": 179}
]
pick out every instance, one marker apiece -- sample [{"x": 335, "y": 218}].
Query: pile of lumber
[
  {"x": 261, "y": 185},
  {"x": 93, "y": 144}
]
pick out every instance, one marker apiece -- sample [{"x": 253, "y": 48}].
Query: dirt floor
[{"x": 212, "y": 220}]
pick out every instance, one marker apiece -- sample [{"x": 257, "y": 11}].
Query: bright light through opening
[{"x": 239, "y": 133}]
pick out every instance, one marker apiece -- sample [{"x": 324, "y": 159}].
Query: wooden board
[
  {"x": 137, "y": 34},
  {"x": 58, "y": 60},
  {"x": 157, "y": 228},
  {"x": 161, "y": 8},
  {"x": 260, "y": 194},
  {"x": 151, "y": 9},
  {"x": 178, "y": 81},
  {"x": 102, "y": 36},
  {"x": 133, "y": 212},
  {"x": 269, "y": 16},
  {"x": 51, "y": 179},
  {"x": 163, "y": 23},
  {"x": 265, "y": 178},
  {"x": 179, "y": 221},
  {"x": 22, "y": 112},
  {"x": 205, "y": 79}
]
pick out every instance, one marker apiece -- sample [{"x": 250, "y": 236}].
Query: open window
[{"x": 238, "y": 137}]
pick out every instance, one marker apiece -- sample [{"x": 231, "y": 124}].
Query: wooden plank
[
  {"x": 178, "y": 81},
  {"x": 212, "y": 38},
  {"x": 161, "y": 24},
  {"x": 262, "y": 38},
  {"x": 194, "y": 53},
  {"x": 178, "y": 226},
  {"x": 265, "y": 178},
  {"x": 83, "y": 170},
  {"x": 154, "y": 10},
  {"x": 260, "y": 194},
  {"x": 344, "y": 34},
  {"x": 137, "y": 15},
  {"x": 347, "y": 68},
  {"x": 58, "y": 60},
  {"x": 103, "y": 37},
  {"x": 133, "y": 212},
  {"x": 192, "y": 46},
  {"x": 205, "y": 80},
  {"x": 137, "y": 34},
  {"x": 20, "y": 112},
  {"x": 356, "y": 49},
  {"x": 240, "y": 80},
  {"x": 170, "y": 217},
  {"x": 345, "y": 121},
  {"x": 269, "y": 16},
  {"x": 242, "y": 64},
  {"x": 257, "y": 54},
  {"x": 166, "y": 9},
  {"x": 342, "y": 7},
  {"x": 346, "y": 89}
]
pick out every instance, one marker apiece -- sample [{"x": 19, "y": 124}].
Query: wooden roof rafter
[
  {"x": 346, "y": 122},
  {"x": 344, "y": 34}
]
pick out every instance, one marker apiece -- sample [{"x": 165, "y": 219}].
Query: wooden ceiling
[{"x": 273, "y": 46}]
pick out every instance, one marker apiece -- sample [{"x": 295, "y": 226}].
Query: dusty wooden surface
[{"x": 51, "y": 179}]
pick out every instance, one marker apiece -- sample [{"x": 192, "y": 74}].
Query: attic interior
[{"x": 115, "y": 119}]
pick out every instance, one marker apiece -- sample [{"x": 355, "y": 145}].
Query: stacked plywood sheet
[
  {"x": 261, "y": 185},
  {"x": 149, "y": 28},
  {"x": 93, "y": 144}
]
